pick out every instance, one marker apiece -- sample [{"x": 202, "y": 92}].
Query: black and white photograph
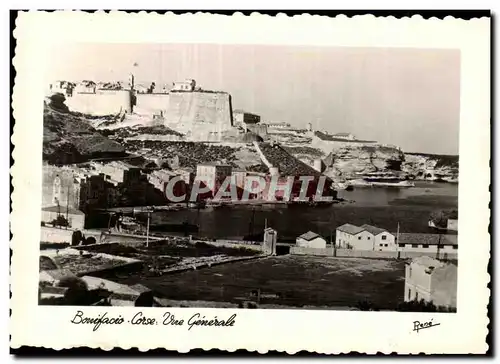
[{"x": 204, "y": 175}]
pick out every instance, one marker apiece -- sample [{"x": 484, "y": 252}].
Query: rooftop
[
  {"x": 309, "y": 236},
  {"x": 213, "y": 164},
  {"x": 287, "y": 164},
  {"x": 373, "y": 229},
  {"x": 350, "y": 229}
]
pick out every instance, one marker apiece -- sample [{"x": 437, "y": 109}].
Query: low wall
[
  {"x": 350, "y": 253},
  {"x": 55, "y": 235},
  {"x": 61, "y": 235}
]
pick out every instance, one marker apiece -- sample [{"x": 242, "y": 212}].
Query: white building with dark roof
[
  {"x": 431, "y": 280},
  {"x": 311, "y": 240},
  {"x": 384, "y": 240},
  {"x": 365, "y": 237},
  {"x": 346, "y": 136},
  {"x": 442, "y": 244}
]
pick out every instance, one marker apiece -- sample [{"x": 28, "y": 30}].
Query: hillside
[{"x": 69, "y": 137}]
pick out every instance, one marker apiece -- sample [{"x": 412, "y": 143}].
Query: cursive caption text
[{"x": 167, "y": 319}]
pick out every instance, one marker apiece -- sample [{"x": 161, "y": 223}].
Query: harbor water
[{"x": 379, "y": 206}]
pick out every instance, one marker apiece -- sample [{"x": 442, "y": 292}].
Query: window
[
  {"x": 359, "y": 237},
  {"x": 414, "y": 245},
  {"x": 409, "y": 295},
  {"x": 384, "y": 237},
  {"x": 401, "y": 245},
  {"x": 381, "y": 244},
  {"x": 416, "y": 296},
  {"x": 368, "y": 238},
  {"x": 455, "y": 246},
  {"x": 385, "y": 244},
  {"x": 409, "y": 272},
  {"x": 425, "y": 246}
]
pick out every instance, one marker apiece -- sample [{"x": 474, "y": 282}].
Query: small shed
[{"x": 311, "y": 240}]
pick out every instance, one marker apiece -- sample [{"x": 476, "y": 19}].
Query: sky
[{"x": 401, "y": 96}]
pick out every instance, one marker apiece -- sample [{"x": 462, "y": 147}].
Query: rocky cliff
[
  {"x": 348, "y": 161},
  {"x": 431, "y": 166},
  {"x": 69, "y": 137}
]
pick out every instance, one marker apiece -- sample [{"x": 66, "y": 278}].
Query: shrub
[
  {"x": 77, "y": 237},
  {"x": 60, "y": 221},
  {"x": 422, "y": 306}
]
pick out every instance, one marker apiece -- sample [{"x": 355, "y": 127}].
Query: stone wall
[
  {"x": 154, "y": 104},
  {"x": 193, "y": 109},
  {"x": 351, "y": 253},
  {"x": 103, "y": 102}
]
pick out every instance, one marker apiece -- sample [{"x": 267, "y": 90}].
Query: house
[
  {"x": 346, "y": 136},
  {"x": 279, "y": 125},
  {"x": 213, "y": 175},
  {"x": 243, "y": 118},
  {"x": 76, "y": 218},
  {"x": 187, "y": 85},
  {"x": 431, "y": 280},
  {"x": 445, "y": 244},
  {"x": 311, "y": 240},
  {"x": 365, "y": 237}
]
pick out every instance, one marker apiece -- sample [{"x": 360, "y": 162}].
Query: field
[{"x": 288, "y": 281}]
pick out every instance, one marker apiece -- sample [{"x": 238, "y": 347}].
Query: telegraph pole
[
  {"x": 67, "y": 209},
  {"x": 397, "y": 242},
  {"x": 438, "y": 247},
  {"x": 147, "y": 230}
]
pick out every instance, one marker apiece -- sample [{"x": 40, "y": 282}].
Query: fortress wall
[
  {"x": 103, "y": 102},
  {"x": 200, "y": 108},
  {"x": 153, "y": 103}
]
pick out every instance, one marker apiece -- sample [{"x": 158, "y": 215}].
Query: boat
[
  {"x": 434, "y": 226},
  {"x": 382, "y": 179}
]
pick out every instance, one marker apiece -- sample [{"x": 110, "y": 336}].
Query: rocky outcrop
[
  {"x": 70, "y": 138},
  {"x": 348, "y": 161}
]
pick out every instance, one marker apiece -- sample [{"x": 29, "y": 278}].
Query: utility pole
[
  {"x": 67, "y": 209},
  {"x": 331, "y": 243},
  {"x": 147, "y": 230},
  {"x": 397, "y": 242},
  {"x": 438, "y": 247}
]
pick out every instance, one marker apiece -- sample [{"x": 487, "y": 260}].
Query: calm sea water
[{"x": 382, "y": 207}]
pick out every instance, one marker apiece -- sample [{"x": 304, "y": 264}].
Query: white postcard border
[{"x": 255, "y": 330}]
